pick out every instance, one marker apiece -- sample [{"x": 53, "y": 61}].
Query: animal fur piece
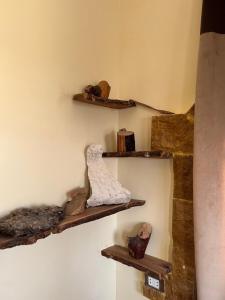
[
  {"x": 105, "y": 189},
  {"x": 29, "y": 221}
]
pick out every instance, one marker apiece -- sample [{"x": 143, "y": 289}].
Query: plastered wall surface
[
  {"x": 150, "y": 180},
  {"x": 159, "y": 51},
  {"x": 48, "y": 51},
  {"x": 158, "y": 63}
]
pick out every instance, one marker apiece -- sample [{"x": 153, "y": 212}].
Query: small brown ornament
[
  {"x": 102, "y": 90},
  {"x": 137, "y": 245},
  {"x": 105, "y": 89},
  {"x": 91, "y": 90},
  {"x": 76, "y": 203}
]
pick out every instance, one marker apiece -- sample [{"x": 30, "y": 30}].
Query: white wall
[{"x": 50, "y": 49}]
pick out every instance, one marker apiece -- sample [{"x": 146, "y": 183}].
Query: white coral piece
[{"x": 105, "y": 189}]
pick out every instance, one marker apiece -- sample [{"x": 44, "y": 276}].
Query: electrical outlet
[{"x": 152, "y": 280}]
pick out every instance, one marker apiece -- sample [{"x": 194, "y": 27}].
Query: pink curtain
[{"x": 209, "y": 155}]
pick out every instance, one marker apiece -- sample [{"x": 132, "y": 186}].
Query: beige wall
[
  {"x": 150, "y": 180},
  {"x": 159, "y": 45},
  {"x": 49, "y": 49},
  {"x": 158, "y": 62}
]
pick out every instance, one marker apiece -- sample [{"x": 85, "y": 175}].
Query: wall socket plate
[{"x": 153, "y": 281}]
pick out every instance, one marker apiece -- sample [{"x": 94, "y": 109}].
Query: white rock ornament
[{"x": 105, "y": 189}]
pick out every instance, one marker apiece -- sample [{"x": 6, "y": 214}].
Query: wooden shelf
[
  {"x": 90, "y": 214},
  {"x": 147, "y": 264},
  {"x": 110, "y": 103},
  {"x": 144, "y": 154},
  {"x": 116, "y": 104}
]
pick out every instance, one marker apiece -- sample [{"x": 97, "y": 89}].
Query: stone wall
[{"x": 175, "y": 133}]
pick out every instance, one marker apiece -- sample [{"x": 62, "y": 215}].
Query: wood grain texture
[
  {"x": 90, "y": 214},
  {"x": 110, "y": 103},
  {"x": 125, "y": 140},
  {"x": 95, "y": 213},
  {"x": 143, "y": 154},
  {"x": 115, "y": 103},
  {"x": 146, "y": 264}
]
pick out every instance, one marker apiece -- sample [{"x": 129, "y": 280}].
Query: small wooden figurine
[
  {"x": 138, "y": 244},
  {"x": 105, "y": 89},
  {"x": 102, "y": 90},
  {"x": 76, "y": 203}
]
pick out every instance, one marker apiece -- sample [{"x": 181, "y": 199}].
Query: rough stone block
[
  {"x": 183, "y": 256},
  {"x": 184, "y": 263},
  {"x": 183, "y": 240},
  {"x": 183, "y": 233},
  {"x": 155, "y": 295},
  {"x": 184, "y": 290},
  {"x": 183, "y": 176},
  {"x": 182, "y": 210},
  {"x": 172, "y": 133}
]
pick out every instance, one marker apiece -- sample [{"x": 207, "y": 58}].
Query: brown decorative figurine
[
  {"x": 105, "y": 89},
  {"x": 138, "y": 244},
  {"x": 76, "y": 203},
  {"x": 102, "y": 90}
]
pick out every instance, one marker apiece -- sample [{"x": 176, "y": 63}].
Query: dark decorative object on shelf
[
  {"x": 105, "y": 89},
  {"x": 99, "y": 95},
  {"x": 77, "y": 199},
  {"x": 29, "y": 221},
  {"x": 138, "y": 244},
  {"x": 101, "y": 90},
  {"x": 125, "y": 140},
  {"x": 91, "y": 90}
]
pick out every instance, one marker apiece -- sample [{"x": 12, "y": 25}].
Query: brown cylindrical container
[{"x": 125, "y": 141}]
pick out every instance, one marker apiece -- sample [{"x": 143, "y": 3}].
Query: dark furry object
[{"x": 29, "y": 221}]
